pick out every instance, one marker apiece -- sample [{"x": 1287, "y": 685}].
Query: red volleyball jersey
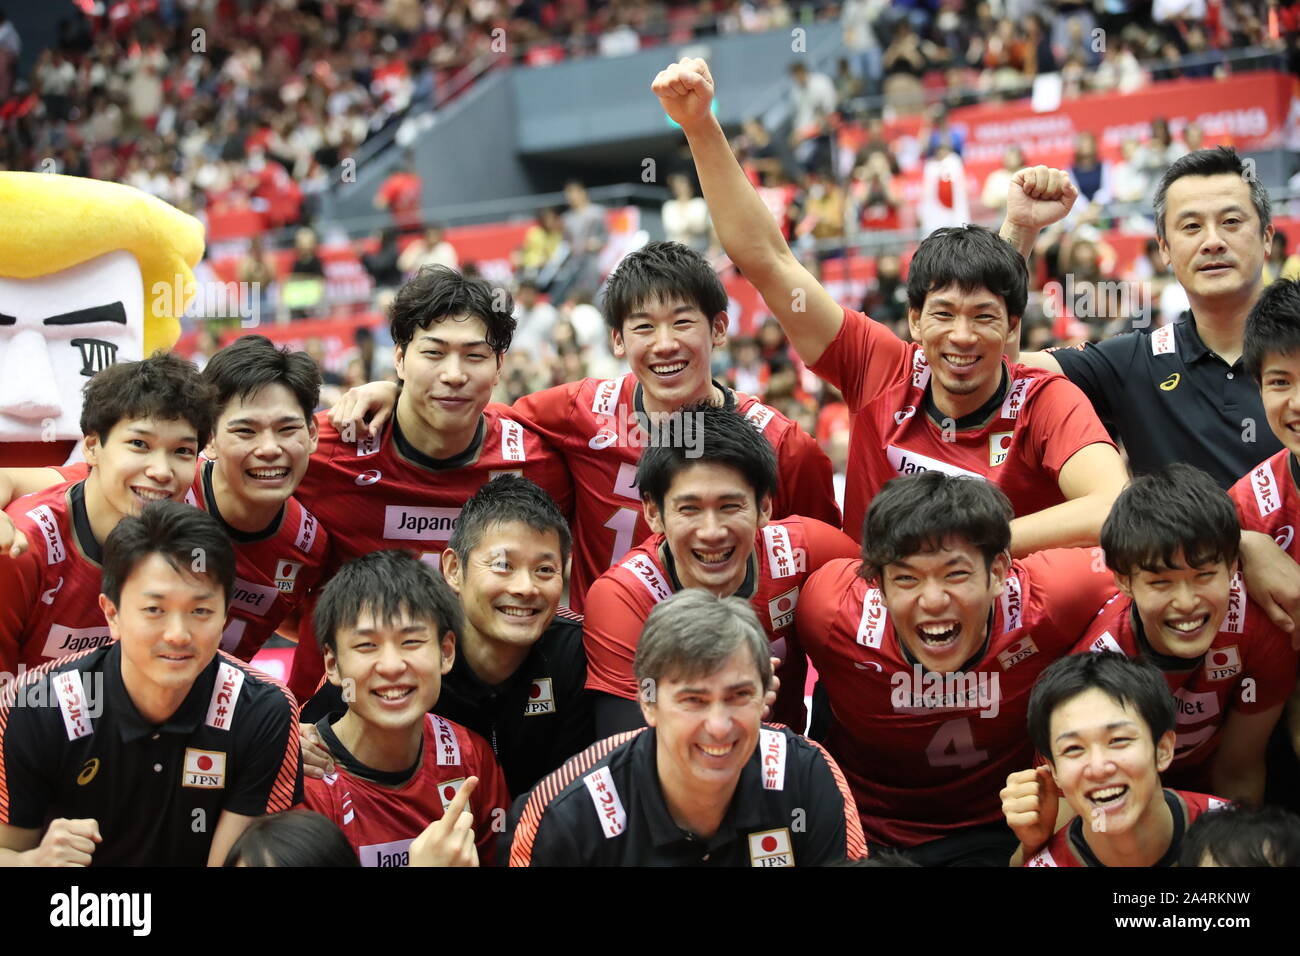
[
  {"x": 1267, "y": 500},
  {"x": 275, "y": 570},
  {"x": 49, "y": 596},
  {"x": 594, "y": 422},
  {"x": 381, "y": 822},
  {"x": 380, "y": 493},
  {"x": 785, "y": 554},
  {"x": 926, "y": 754},
  {"x": 1042, "y": 421},
  {"x": 1250, "y": 667},
  {"x": 1063, "y": 848}
]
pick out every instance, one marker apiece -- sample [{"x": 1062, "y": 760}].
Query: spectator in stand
[
  {"x": 1007, "y": 60},
  {"x": 543, "y": 251},
  {"x": 904, "y": 65},
  {"x": 943, "y": 191},
  {"x": 994, "y": 194},
  {"x": 848, "y": 85},
  {"x": 400, "y": 195},
  {"x": 876, "y": 196},
  {"x": 1279, "y": 264},
  {"x": 886, "y": 300},
  {"x": 257, "y": 269},
  {"x": 821, "y": 229},
  {"x": 534, "y": 321},
  {"x": 858, "y": 17},
  {"x": 1119, "y": 71},
  {"x": 1090, "y": 175},
  {"x": 431, "y": 249},
  {"x": 306, "y": 263},
  {"x": 1156, "y": 155},
  {"x": 585, "y": 233},
  {"x": 748, "y": 372},
  {"x": 686, "y": 215},
  {"x": 764, "y": 157},
  {"x": 382, "y": 264},
  {"x": 813, "y": 97}
]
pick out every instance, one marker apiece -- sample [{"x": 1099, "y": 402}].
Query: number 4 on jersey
[{"x": 953, "y": 745}]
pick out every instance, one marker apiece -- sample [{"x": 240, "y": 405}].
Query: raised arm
[
  {"x": 745, "y": 227},
  {"x": 1037, "y": 197}
]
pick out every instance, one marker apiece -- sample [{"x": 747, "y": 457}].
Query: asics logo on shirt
[
  {"x": 369, "y": 477},
  {"x": 1171, "y": 383},
  {"x": 904, "y": 415}
]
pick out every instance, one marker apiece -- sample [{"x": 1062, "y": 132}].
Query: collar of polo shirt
[{"x": 131, "y": 725}]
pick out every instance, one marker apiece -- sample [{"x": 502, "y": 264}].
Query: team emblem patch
[
  {"x": 781, "y": 608},
  {"x": 1222, "y": 663},
  {"x": 1017, "y": 652},
  {"x": 541, "y": 698},
  {"x": 999, "y": 447},
  {"x": 286, "y": 574},
  {"x": 771, "y": 848},
  {"x": 204, "y": 769}
]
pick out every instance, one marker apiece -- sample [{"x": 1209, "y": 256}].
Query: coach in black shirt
[
  {"x": 705, "y": 784},
  {"x": 1180, "y": 393},
  {"x": 520, "y": 668},
  {"x": 155, "y": 749}
]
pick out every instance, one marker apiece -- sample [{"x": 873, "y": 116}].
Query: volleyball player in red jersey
[
  {"x": 667, "y": 311},
  {"x": 927, "y": 648},
  {"x": 708, "y": 483},
  {"x": 946, "y": 401}
]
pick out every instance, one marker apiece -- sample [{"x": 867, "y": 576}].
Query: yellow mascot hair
[{"x": 49, "y": 223}]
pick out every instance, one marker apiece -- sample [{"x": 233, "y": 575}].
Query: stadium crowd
[{"x": 930, "y": 577}]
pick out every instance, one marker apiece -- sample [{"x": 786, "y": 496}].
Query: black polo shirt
[
  {"x": 1172, "y": 399},
  {"x": 540, "y": 717},
  {"x": 605, "y": 807},
  {"x": 73, "y": 745}
]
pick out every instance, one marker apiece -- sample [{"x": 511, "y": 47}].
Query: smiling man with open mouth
[
  {"x": 1105, "y": 724},
  {"x": 706, "y": 784},
  {"x": 707, "y": 486},
  {"x": 388, "y": 627},
  {"x": 144, "y": 423},
  {"x": 1172, "y": 542}
]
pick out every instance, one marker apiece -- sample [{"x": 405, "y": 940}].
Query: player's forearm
[
  {"x": 745, "y": 226},
  {"x": 1022, "y": 238},
  {"x": 1072, "y": 524},
  {"x": 17, "y": 857}
]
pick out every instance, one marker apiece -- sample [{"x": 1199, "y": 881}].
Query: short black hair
[
  {"x": 1178, "y": 508},
  {"x": 436, "y": 293},
  {"x": 191, "y": 540},
  {"x": 701, "y": 433},
  {"x": 1221, "y": 160},
  {"x": 917, "y": 513},
  {"x": 252, "y": 362},
  {"x": 508, "y": 498},
  {"x": 1243, "y": 836},
  {"x": 164, "y": 387},
  {"x": 1134, "y": 683},
  {"x": 1273, "y": 326},
  {"x": 388, "y": 584},
  {"x": 662, "y": 272},
  {"x": 972, "y": 258},
  {"x": 293, "y": 838}
]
